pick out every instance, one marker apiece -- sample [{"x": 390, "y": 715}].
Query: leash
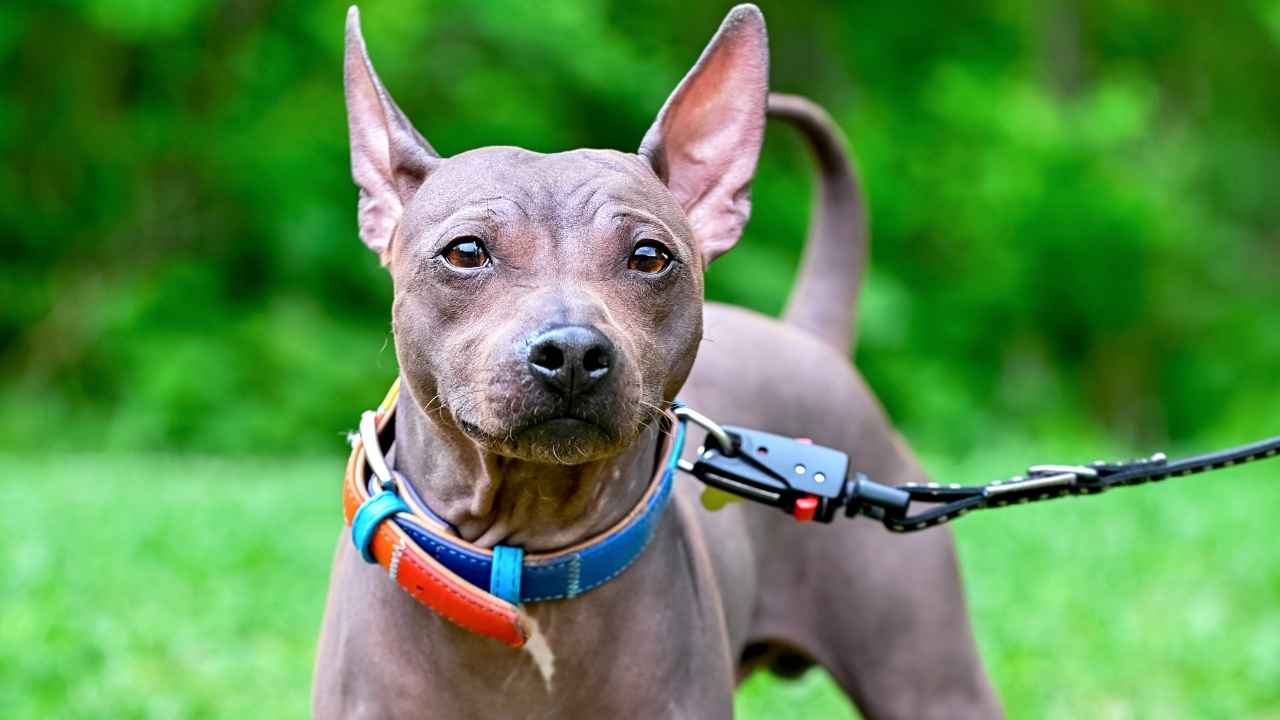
[{"x": 812, "y": 482}]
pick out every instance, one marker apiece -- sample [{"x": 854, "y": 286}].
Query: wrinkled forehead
[{"x": 561, "y": 188}]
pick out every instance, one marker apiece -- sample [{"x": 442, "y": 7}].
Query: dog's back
[{"x": 876, "y": 610}]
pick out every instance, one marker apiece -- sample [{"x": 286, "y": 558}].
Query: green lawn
[{"x": 192, "y": 587}]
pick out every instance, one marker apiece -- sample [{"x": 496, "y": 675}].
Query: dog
[{"x": 548, "y": 309}]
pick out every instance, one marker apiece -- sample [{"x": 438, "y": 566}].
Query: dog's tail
[{"x": 825, "y": 297}]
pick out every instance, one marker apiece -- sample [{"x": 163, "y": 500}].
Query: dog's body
[{"x": 714, "y": 594}]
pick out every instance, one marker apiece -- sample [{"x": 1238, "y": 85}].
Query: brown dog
[{"x": 547, "y": 308}]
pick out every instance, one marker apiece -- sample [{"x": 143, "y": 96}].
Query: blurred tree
[{"x": 1074, "y": 205}]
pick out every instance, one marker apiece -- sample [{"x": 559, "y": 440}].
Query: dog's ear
[
  {"x": 706, "y": 139},
  {"x": 389, "y": 159}
]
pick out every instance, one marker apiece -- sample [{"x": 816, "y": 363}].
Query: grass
[{"x": 157, "y": 587}]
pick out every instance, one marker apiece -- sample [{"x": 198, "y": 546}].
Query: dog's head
[{"x": 549, "y": 305}]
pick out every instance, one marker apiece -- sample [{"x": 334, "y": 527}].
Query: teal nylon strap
[
  {"x": 367, "y": 518},
  {"x": 508, "y": 566}
]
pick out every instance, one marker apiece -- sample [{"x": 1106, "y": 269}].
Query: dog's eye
[
  {"x": 465, "y": 253},
  {"x": 649, "y": 256}
]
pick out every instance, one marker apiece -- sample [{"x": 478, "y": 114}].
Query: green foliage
[{"x": 1074, "y": 206}]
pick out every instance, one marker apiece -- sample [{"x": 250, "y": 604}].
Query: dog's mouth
[
  {"x": 564, "y": 426},
  {"x": 510, "y": 414},
  {"x": 565, "y": 438}
]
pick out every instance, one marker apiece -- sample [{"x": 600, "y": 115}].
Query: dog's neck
[{"x": 492, "y": 499}]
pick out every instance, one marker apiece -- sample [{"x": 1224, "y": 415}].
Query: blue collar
[{"x": 506, "y": 572}]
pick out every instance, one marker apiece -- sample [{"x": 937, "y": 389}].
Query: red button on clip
[{"x": 805, "y": 508}]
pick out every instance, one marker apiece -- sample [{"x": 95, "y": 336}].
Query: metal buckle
[
  {"x": 713, "y": 429},
  {"x": 373, "y": 456},
  {"x": 1080, "y": 471},
  {"x": 1043, "y": 476}
]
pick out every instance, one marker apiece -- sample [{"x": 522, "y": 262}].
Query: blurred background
[{"x": 1075, "y": 212}]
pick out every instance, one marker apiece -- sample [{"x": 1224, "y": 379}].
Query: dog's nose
[{"x": 571, "y": 359}]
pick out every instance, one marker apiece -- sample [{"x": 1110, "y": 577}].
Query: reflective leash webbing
[{"x": 1046, "y": 482}]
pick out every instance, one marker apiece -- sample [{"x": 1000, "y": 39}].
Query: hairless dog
[{"x": 548, "y": 308}]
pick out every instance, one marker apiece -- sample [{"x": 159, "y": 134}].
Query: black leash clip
[
  {"x": 804, "y": 480},
  {"x": 796, "y": 476}
]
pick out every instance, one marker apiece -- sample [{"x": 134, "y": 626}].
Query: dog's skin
[{"x": 539, "y": 330}]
